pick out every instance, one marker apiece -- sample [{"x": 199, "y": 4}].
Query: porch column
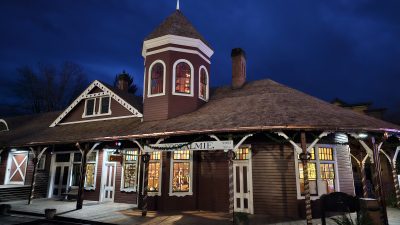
[
  {"x": 305, "y": 157},
  {"x": 378, "y": 181},
  {"x": 37, "y": 154},
  {"x": 231, "y": 156},
  {"x": 84, "y": 152},
  {"x": 146, "y": 159},
  {"x": 395, "y": 177},
  {"x": 364, "y": 180}
]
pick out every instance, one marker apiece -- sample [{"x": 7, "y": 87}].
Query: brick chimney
[
  {"x": 238, "y": 68},
  {"x": 123, "y": 81}
]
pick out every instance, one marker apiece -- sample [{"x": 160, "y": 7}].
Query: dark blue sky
[{"x": 344, "y": 48}]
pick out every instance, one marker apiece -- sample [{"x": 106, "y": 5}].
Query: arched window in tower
[
  {"x": 156, "y": 85},
  {"x": 203, "y": 83},
  {"x": 183, "y": 78}
]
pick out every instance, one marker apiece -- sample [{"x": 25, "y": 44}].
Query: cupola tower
[{"x": 177, "y": 69}]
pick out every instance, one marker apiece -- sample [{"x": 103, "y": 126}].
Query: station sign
[{"x": 195, "y": 146}]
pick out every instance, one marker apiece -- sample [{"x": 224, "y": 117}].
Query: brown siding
[
  {"x": 274, "y": 180},
  {"x": 169, "y": 106},
  {"x": 117, "y": 110},
  {"x": 3, "y": 166},
  {"x": 345, "y": 170}
]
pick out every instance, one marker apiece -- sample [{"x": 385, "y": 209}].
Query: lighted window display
[
  {"x": 183, "y": 78},
  {"x": 243, "y": 153},
  {"x": 154, "y": 173},
  {"x": 130, "y": 168},
  {"x": 181, "y": 174},
  {"x": 203, "y": 84},
  {"x": 90, "y": 175},
  {"x": 321, "y": 171},
  {"x": 157, "y": 79}
]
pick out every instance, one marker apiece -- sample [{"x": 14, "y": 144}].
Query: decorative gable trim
[{"x": 85, "y": 94}]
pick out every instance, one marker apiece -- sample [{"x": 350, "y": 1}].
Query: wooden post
[
  {"x": 81, "y": 190},
  {"x": 378, "y": 182},
  {"x": 145, "y": 159},
  {"x": 304, "y": 159},
  {"x": 231, "y": 157},
  {"x": 36, "y": 157},
  {"x": 364, "y": 180},
  {"x": 35, "y": 161},
  {"x": 396, "y": 185}
]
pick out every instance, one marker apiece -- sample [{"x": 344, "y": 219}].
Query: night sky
[{"x": 344, "y": 48}]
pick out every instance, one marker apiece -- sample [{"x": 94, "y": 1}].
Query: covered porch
[{"x": 120, "y": 213}]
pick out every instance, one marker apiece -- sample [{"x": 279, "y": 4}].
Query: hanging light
[
  {"x": 341, "y": 138},
  {"x": 118, "y": 145},
  {"x": 362, "y": 135}
]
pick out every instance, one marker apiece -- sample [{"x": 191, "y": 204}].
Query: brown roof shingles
[{"x": 258, "y": 105}]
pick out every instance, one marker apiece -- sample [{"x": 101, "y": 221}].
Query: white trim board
[
  {"x": 84, "y": 95},
  {"x": 177, "y": 40},
  {"x": 184, "y": 50}
]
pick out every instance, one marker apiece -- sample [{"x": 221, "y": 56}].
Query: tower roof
[{"x": 176, "y": 24}]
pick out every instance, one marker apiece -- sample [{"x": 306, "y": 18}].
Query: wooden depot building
[{"x": 258, "y": 147}]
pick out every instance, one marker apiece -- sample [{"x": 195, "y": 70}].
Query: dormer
[
  {"x": 101, "y": 102},
  {"x": 177, "y": 69}
]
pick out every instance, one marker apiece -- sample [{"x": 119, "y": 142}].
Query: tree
[
  {"x": 48, "y": 89},
  {"x": 132, "y": 88}
]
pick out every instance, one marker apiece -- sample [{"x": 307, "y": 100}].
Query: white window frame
[
  {"x": 98, "y": 112},
  {"x": 207, "y": 86},
  {"x": 191, "y": 94},
  {"x": 134, "y": 189},
  {"x": 149, "y": 95},
  {"x": 42, "y": 162},
  {"x": 109, "y": 106},
  {"x": 317, "y": 162},
  {"x": 95, "y": 171},
  {"x": 171, "y": 173},
  {"x": 158, "y": 193}
]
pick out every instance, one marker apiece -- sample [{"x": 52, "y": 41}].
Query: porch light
[
  {"x": 362, "y": 135},
  {"x": 341, "y": 138},
  {"x": 118, "y": 145}
]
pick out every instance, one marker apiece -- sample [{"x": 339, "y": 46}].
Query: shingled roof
[
  {"x": 176, "y": 24},
  {"x": 262, "y": 105}
]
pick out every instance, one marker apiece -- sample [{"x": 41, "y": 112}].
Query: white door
[
  {"x": 109, "y": 181},
  {"x": 60, "y": 179},
  {"x": 16, "y": 167},
  {"x": 242, "y": 178}
]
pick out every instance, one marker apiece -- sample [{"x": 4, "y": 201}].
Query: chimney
[
  {"x": 123, "y": 81},
  {"x": 238, "y": 68}
]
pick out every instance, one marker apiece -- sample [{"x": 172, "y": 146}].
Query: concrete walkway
[{"x": 124, "y": 214}]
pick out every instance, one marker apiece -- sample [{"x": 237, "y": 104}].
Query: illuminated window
[
  {"x": 203, "y": 84},
  {"x": 183, "y": 78},
  {"x": 154, "y": 174},
  {"x": 243, "y": 153},
  {"x": 91, "y": 165},
  {"x": 130, "y": 162},
  {"x": 181, "y": 173},
  {"x": 157, "y": 72},
  {"x": 321, "y": 171}
]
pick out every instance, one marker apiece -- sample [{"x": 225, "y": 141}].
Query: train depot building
[{"x": 257, "y": 147}]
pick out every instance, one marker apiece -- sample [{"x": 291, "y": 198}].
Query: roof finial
[{"x": 177, "y": 5}]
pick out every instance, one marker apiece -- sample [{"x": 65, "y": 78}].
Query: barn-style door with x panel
[{"x": 16, "y": 167}]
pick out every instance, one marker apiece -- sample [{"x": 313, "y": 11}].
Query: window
[
  {"x": 181, "y": 173},
  {"x": 321, "y": 172},
  {"x": 183, "y": 78},
  {"x": 99, "y": 106},
  {"x": 156, "y": 78},
  {"x": 90, "y": 106},
  {"x": 130, "y": 162},
  {"x": 42, "y": 162},
  {"x": 91, "y": 168},
  {"x": 105, "y": 105},
  {"x": 243, "y": 153},
  {"x": 154, "y": 174},
  {"x": 203, "y": 83}
]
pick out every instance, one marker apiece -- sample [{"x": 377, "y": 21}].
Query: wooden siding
[
  {"x": 3, "y": 166},
  {"x": 345, "y": 171},
  {"x": 274, "y": 180},
  {"x": 169, "y": 106},
  {"x": 121, "y": 196},
  {"x": 117, "y": 110}
]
